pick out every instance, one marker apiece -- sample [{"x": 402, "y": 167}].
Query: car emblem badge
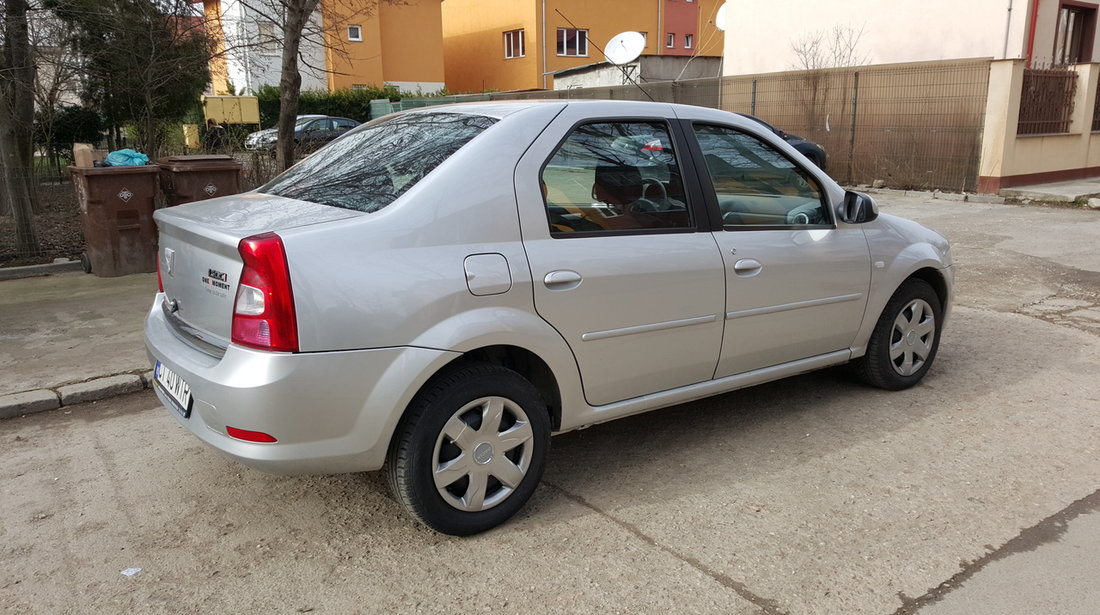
[
  {"x": 210, "y": 189},
  {"x": 125, "y": 195}
]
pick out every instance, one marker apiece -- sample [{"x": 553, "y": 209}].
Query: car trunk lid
[{"x": 199, "y": 260}]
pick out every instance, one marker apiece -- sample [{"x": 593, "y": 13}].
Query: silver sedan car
[{"x": 441, "y": 290}]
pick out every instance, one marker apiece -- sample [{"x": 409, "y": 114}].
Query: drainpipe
[
  {"x": 1031, "y": 31},
  {"x": 1008, "y": 26},
  {"x": 543, "y": 35},
  {"x": 660, "y": 40}
]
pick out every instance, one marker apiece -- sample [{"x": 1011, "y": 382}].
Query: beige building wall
[
  {"x": 760, "y": 36},
  {"x": 1009, "y": 159}
]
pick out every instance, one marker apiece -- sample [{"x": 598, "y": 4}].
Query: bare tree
[
  {"x": 17, "y": 74},
  {"x": 816, "y": 52},
  {"x": 297, "y": 25}
]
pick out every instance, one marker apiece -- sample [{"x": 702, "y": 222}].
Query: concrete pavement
[{"x": 70, "y": 338}]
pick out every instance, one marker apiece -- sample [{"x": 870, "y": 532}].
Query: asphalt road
[{"x": 810, "y": 495}]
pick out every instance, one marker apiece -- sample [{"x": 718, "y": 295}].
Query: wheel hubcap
[
  {"x": 913, "y": 336},
  {"x": 482, "y": 454}
]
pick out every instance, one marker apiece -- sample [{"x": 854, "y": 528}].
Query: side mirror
[{"x": 858, "y": 208}]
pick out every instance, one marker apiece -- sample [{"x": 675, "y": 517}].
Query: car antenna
[{"x": 620, "y": 46}]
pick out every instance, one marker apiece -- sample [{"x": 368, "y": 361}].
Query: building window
[
  {"x": 671, "y": 42},
  {"x": 514, "y": 46},
  {"x": 572, "y": 42},
  {"x": 265, "y": 31},
  {"x": 645, "y": 37},
  {"x": 687, "y": 41},
  {"x": 358, "y": 86},
  {"x": 1073, "y": 38},
  {"x": 355, "y": 33}
]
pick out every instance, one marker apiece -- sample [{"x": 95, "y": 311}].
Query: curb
[
  {"x": 42, "y": 400},
  {"x": 60, "y": 265}
]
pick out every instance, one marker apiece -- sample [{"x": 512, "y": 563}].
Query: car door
[
  {"x": 796, "y": 280},
  {"x": 621, "y": 266}
]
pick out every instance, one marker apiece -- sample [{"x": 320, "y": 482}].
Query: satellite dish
[
  {"x": 720, "y": 18},
  {"x": 624, "y": 47}
]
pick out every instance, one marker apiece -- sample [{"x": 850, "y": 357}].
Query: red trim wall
[{"x": 993, "y": 185}]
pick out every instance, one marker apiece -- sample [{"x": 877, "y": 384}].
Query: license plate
[{"x": 178, "y": 390}]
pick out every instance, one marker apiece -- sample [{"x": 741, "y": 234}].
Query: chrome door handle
[
  {"x": 562, "y": 280},
  {"x": 747, "y": 267}
]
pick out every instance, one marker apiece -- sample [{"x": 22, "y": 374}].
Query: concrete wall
[
  {"x": 651, "y": 68},
  {"x": 1010, "y": 160},
  {"x": 760, "y": 36}
]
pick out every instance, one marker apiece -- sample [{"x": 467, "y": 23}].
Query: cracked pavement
[{"x": 975, "y": 492}]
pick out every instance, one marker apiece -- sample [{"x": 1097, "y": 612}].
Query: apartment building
[
  {"x": 349, "y": 43},
  {"x": 518, "y": 44}
]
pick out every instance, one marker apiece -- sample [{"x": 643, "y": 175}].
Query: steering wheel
[
  {"x": 662, "y": 193},
  {"x": 642, "y": 205},
  {"x": 810, "y": 213}
]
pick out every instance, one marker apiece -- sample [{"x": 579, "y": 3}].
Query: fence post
[
  {"x": 753, "y": 105},
  {"x": 852, "y": 134},
  {"x": 1002, "y": 117}
]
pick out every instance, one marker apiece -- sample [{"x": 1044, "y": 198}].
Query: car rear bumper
[{"x": 330, "y": 412}]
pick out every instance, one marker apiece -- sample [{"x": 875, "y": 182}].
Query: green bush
[{"x": 352, "y": 103}]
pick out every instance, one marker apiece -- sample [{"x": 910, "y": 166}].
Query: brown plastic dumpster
[
  {"x": 194, "y": 178},
  {"x": 116, "y": 206}
]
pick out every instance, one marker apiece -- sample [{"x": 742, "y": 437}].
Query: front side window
[
  {"x": 615, "y": 176},
  {"x": 572, "y": 42},
  {"x": 757, "y": 185},
  {"x": 371, "y": 166},
  {"x": 514, "y": 44}
]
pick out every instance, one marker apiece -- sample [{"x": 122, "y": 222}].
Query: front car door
[
  {"x": 622, "y": 263},
  {"x": 796, "y": 279}
]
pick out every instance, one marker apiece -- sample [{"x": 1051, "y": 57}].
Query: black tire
[
  {"x": 904, "y": 342},
  {"x": 85, "y": 262},
  {"x": 422, "y": 445}
]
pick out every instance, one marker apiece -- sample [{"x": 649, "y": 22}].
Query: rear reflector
[
  {"x": 251, "y": 436},
  {"x": 263, "y": 312}
]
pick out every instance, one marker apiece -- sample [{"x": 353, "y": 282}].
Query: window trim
[
  {"x": 710, "y": 196},
  {"x": 1090, "y": 12},
  {"x": 510, "y": 39},
  {"x": 563, "y": 43},
  {"x": 670, "y": 41},
  {"x": 358, "y": 38},
  {"x": 688, "y": 40}
]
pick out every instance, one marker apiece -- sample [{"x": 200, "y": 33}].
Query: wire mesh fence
[{"x": 911, "y": 125}]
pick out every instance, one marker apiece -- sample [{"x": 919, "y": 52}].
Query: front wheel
[
  {"x": 471, "y": 449},
  {"x": 905, "y": 340}
]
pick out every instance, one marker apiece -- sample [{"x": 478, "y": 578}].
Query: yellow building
[
  {"x": 516, "y": 44},
  {"x": 365, "y": 43}
]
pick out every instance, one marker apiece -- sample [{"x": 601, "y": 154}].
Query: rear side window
[{"x": 369, "y": 168}]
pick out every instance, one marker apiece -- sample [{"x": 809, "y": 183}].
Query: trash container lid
[
  {"x": 122, "y": 170},
  {"x": 199, "y": 162}
]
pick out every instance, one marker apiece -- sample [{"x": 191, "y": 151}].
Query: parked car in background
[
  {"x": 310, "y": 133},
  {"x": 444, "y": 288},
  {"x": 807, "y": 148}
]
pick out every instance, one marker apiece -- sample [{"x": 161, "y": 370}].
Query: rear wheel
[
  {"x": 905, "y": 340},
  {"x": 471, "y": 450}
]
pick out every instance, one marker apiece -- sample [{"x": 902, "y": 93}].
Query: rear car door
[
  {"x": 796, "y": 280},
  {"x": 621, "y": 265}
]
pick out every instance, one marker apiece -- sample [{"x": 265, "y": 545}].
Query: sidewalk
[{"x": 70, "y": 338}]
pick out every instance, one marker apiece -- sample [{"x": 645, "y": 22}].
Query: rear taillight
[
  {"x": 263, "y": 313},
  {"x": 160, "y": 283}
]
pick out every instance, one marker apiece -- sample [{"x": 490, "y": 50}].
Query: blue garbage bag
[{"x": 126, "y": 157}]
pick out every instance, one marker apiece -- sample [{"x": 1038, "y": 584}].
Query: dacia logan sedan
[{"x": 441, "y": 290}]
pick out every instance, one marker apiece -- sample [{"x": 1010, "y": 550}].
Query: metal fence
[
  {"x": 1046, "y": 101},
  {"x": 913, "y": 125}
]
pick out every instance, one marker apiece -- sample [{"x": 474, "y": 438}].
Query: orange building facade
[
  {"x": 366, "y": 43},
  {"x": 516, "y": 44}
]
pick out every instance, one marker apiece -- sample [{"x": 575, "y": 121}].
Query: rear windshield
[{"x": 369, "y": 168}]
